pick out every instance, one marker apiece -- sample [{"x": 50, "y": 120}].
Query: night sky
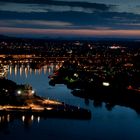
[{"x": 70, "y": 18}]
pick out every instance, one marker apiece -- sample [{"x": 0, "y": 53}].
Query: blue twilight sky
[{"x": 70, "y": 18}]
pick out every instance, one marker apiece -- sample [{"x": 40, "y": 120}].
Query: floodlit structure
[{"x": 25, "y": 91}]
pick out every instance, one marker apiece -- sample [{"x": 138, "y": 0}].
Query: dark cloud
[
  {"x": 113, "y": 20},
  {"x": 78, "y": 15},
  {"x": 94, "y": 6}
]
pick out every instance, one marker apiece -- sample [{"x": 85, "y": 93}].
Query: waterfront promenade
[{"x": 45, "y": 108}]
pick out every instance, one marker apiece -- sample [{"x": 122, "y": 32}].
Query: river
[{"x": 115, "y": 123}]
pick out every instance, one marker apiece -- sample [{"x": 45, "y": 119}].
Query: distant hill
[
  {"x": 3, "y": 37},
  {"x": 69, "y": 38}
]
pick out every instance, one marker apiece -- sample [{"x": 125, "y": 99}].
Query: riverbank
[{"x": 46, "y": 108}]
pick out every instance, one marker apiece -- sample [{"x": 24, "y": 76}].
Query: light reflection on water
[{"x": 106, "y": 123}]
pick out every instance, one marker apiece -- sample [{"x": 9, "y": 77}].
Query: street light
[
  {"x": 33, "y": 92},
  {"x": 106, "y": 84},
  {"x": 19, "y": 92}
]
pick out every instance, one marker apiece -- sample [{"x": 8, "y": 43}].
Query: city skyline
[{"x": 65, "y": 18}]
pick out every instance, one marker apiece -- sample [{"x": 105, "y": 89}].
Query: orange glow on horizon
[{"x": 71, "y": 32}]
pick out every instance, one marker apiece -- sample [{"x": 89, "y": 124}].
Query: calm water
[{"x": 117, "y": 123}]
